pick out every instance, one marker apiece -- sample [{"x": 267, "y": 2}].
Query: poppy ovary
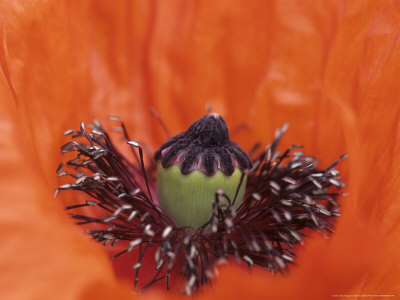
[{"x": 196, "y": 163}]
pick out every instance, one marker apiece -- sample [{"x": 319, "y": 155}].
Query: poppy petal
[{"x": 327, "y": 69}]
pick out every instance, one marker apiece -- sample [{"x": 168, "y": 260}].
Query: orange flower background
[{"x": 330, "y": 68}]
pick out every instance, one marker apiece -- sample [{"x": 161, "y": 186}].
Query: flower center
[{"x": 196, "y": 163}]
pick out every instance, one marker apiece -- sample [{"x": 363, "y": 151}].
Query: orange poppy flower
[{"x": 328, "y": 68}]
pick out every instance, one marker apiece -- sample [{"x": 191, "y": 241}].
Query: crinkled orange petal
[{"x": 329, "y": 68}]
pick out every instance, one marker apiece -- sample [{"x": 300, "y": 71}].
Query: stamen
[{"x": 286, "y": 194}]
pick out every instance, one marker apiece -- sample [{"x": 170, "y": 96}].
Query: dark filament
[{"x": 286, "y": 194}]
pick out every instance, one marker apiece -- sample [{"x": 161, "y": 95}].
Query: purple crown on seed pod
[{"x": 204, "y": 146}]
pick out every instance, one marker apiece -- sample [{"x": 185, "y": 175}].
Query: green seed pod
[
  {"x": 193, "y": 165},
  {"x": 187, "y": 198}
]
